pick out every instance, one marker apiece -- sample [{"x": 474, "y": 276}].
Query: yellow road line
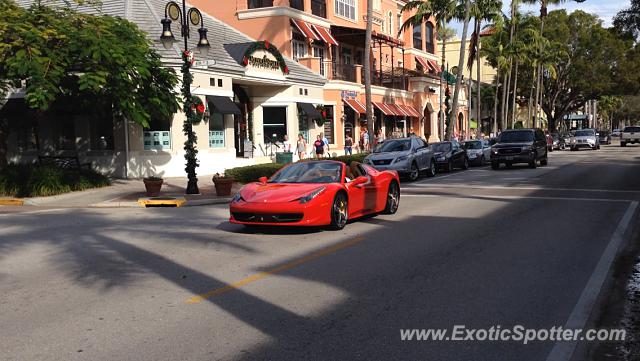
[{"x": 284, "y": 267}]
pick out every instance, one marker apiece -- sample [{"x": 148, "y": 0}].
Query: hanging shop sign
[{"x": 270, "y": 59}]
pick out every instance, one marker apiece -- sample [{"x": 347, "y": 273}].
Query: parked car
[
  {"x": 616, "y": 133},
  {"x": 408, "y": 156},
  {"x": 604, "y": 136},
  {"x": 316, "y": 193},
  {"x": 520, "y": 146},
  {"x": 630, "y": 135},
  {"x": 558, "y": 142},
  {"x": 450, "y": 155},
  {"x": 584, "y": 138},
  {"x": 478, "y": 151}
]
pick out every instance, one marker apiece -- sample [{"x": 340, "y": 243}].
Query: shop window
[
  {"x": 64, "y": 132},
  {"x": 158, "y": 135},
  {"x": 328, "y": 125},
  {"x": 216, "y": 130},
  {"x": 274, "y": 122},
  {"x": 101, "y": 131}
]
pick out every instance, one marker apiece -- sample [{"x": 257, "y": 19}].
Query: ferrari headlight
[
  {"x": 311, "y": 195},
  {"x": 237, "y": 198}
]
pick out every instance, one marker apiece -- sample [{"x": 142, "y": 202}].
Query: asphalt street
[{"x": 478, "y": 248}]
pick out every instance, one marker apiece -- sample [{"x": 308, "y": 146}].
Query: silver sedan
[
  {"x": 479, "y": 151},
  {"x": 408, "y": 156}
]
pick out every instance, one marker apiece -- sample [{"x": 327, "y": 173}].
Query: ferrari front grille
[{"x": 267, "y": 217}]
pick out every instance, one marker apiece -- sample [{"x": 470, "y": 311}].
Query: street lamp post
[{"x": 173, "y": 12}]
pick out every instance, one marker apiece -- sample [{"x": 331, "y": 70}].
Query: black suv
[{"x": 520, "y": 146}]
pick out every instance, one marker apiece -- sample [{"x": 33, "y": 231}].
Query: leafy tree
[
  {"x": 594, "y": 63},
  {"x": 627, "y": 21},
  {"x": 59, "y": 53}
]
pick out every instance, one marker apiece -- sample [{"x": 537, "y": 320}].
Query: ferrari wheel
[
  {"x": 339, "y": 212},
  {"x": 393, "y": 199}
]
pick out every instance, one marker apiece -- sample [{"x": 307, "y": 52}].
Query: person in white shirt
[{"x": 286, "y": 145}]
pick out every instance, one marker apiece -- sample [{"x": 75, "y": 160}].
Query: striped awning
[
  {"x": 325, "y": 34},
  {"x": 424, "y": 62},
  {"x": 411, "y": 111},
  {"x": 434, "y": 65},
  {"x": 356, "y": 105},
  {"x": 384, "y": 108},
  {"x": 305, "y": 29},
  {"x": 397, "y": 110}
]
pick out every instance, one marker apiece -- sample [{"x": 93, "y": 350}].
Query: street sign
[{"x": 203, "y": 64}]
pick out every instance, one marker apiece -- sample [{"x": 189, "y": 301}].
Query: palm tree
[
  {"x": 442, "y": 11},
  {"x": 481, "y": 10},
  {"x": 544, "y": 6},
  {"x": 367, "y": 70},
  {"x": 456, "y": 92},
  {"x": 494, "y": 50}
]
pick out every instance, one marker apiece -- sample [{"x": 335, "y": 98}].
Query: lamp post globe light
[{"x": 173, "y": 12}]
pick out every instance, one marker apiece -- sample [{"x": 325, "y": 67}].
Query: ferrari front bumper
[{"x": 314, "y": 213}]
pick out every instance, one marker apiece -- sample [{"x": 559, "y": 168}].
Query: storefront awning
[
  {"x": 383, "y": 108},
  {"x": 309, "y": 110},
  {"x": 434, "y": 65},
  {"x": 223, "y": 105},
  {"x": 355, "y": 105},
  {"x": 397, "y": 110},
  {"x": 424, "y": 62},
  {"x": 305, "y": 29},
  {"x": 325, "y": 34},
  {"x": 411, "y": 111}
]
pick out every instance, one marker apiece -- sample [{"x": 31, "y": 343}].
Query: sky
[{"x": 605, "y": 9}]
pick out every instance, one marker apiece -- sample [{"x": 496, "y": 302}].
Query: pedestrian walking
[
  {"x": 365, "y": 140},
  {"x": 318, "y": 147},
  {"x": 301, "y": 146},
  {"x": 326, "y": 144},
  {"x": 348, "y": 143},
  {"x": 286, "y": 144}
]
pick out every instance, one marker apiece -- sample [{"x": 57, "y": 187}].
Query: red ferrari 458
[{"x": 316, "y": 193}]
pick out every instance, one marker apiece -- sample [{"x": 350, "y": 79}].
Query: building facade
[
  {"x": 275, "y": 68},
  {"x": 328, "y": 37}
]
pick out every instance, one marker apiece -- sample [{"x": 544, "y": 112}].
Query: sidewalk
[{"x": 126, "y": 192}]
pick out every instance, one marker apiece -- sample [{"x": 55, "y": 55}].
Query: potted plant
[
  {"x": 153, "y": 185},
  {"x": 223, "y": 184}
]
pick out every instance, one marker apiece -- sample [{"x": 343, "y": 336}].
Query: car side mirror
[
  {"x": 360, "y": 181},
  {"x": 263, "y": 180}
]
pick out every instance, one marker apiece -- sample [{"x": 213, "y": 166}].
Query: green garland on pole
[
  {"x": 191, "y": 110},
  {"x": 266, "y": 46}
]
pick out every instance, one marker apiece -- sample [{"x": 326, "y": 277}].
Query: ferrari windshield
[
  {"x": 309, "y": 172},
  {"x": 393, "y": 145}
]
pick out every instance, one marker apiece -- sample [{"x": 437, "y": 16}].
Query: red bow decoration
[{"x": 200, "y": 108}]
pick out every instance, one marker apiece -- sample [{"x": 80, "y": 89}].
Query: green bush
[
  {"x": 253, "y": 172},
  {"x": 38, "y": 181}
]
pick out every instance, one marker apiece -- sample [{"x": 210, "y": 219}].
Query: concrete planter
[{"x": 153, "y": 186}]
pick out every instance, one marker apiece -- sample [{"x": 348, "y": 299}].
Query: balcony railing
[
  {"x": 346, "y": 72},
  {"x": 297, "y": 4},
  {"x": 396, "y": 78},
  {"x": 255, "y": 4},
  {"x": 319, "y": 8}
]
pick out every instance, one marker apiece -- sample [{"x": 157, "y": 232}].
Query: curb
[{"x": 11, "y": 202}]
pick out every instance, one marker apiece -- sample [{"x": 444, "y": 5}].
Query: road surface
[{"x": 478, "y": 248}]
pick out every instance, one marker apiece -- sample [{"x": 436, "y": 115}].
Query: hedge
[
  {"x": 253, "y": 172},
  {"x": 38, "y": 181}
]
